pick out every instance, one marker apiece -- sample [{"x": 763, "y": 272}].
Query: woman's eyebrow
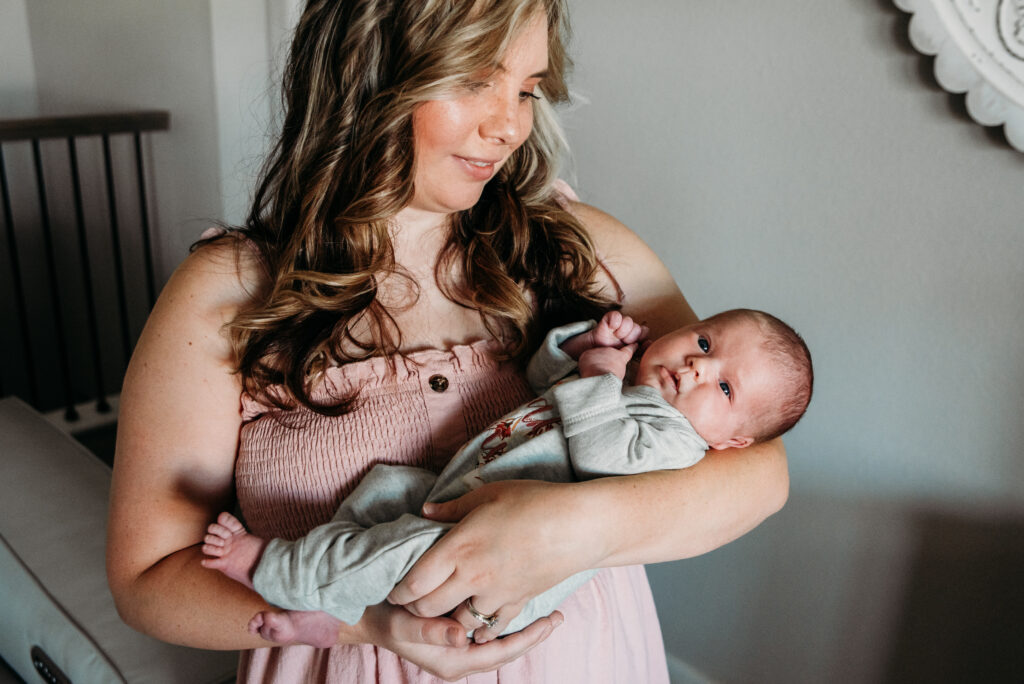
[{"x": 539, "y": 74}]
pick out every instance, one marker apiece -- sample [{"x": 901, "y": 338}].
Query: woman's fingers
[
  {"x": 429, "y": 573},
  {"x": 435, "y": 631},
  {"x": 508, "y": 549},
  {"x": 440, "y": 646},
  {"x": 463, "y": 615},
  {"x": 455, "y": 510},
  {"x": 436, "y": 586},
  {"x": 434, "y": 568},
  {"x": 406, "y": 627},
  {"x": 439, "y": 601},
  {"x": 493, "y": 654},
  {"x": 485, "y": 630}
]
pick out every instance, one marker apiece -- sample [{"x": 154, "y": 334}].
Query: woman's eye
[
  {"x": 725, "y": 388},
  {"x": 475, "y": 85},
  {"x": 525, "y": 95},
  {"x": 702, "y": 342}
]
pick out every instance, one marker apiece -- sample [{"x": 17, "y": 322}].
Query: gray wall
[
  {"x": 797, "y": 156},
  {"x": 98, "y": 55},
  {"x": 209, "y": 64},
  {"x": 18, "y": 84},
  {"x": 791, "y": 157}
]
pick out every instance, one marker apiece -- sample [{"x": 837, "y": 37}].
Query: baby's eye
[
  {"x": 702, "y": 342},
  {"x": 725, "y": 388}
]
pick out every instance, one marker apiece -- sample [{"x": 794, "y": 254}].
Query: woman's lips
[{"x": 479, "y": 169}]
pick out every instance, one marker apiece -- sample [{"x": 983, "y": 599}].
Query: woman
[{"x": 405, "y": 249}]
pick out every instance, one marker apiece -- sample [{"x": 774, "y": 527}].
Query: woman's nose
[{"x": 503, "y": 124}]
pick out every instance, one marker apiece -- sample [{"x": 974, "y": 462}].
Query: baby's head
[{"x": 739, "y": 377}]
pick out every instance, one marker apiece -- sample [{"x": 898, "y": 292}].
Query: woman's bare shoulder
[
  {"x": 649, "y": 291},
  {"x": 185, "y": 339},
  {"x": 224, "y": 275},
  {"x": 604, "y": 229}
]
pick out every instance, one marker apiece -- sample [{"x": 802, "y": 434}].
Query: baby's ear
[{"x": 733, "y": 443}]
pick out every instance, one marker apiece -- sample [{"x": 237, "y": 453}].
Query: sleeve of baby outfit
[
  {"x": 549, "y": 364},
  {"x": 611, "y": 431},
  {"x": 355, "y": 560}
]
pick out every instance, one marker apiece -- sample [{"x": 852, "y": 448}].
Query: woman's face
[{"x": 462, "y": 141}]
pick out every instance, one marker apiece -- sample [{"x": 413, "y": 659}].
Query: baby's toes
[
  {"x": 213, "y": 529},
  {"x": 233, "y": 525},
  {"x": 211, "y": 562},
  {"x": 255, "y": 624},
  {"x": 214, "y": 540},
  {"x": 276, "y": 629}
]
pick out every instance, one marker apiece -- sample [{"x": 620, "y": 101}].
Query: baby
[{"x": 735, "y": 379}]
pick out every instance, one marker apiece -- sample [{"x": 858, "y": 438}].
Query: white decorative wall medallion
[{"x": 979, "y": 50}]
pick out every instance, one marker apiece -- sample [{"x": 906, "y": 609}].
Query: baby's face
[{"x": 717, "y": 375}]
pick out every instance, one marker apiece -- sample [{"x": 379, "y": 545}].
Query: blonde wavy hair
[{"x": 342, "y": 168}]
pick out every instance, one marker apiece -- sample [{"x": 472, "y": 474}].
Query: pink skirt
[{"x": 610, "y": 636}]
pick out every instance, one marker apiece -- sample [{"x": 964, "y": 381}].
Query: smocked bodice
[{"x": 294, "y": 467}]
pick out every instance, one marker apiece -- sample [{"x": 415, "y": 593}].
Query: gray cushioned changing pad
[{"x": 54, "y": 598}]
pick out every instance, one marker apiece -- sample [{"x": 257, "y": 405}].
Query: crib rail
[{"x": 67, "y": 232}]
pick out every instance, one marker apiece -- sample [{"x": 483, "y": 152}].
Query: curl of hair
[{"x": 342, "y": 168}]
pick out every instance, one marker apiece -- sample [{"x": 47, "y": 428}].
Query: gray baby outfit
[{"x": 576, "y": 429}]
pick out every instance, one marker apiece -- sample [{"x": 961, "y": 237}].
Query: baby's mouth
[{"x": 673, "y": 377}]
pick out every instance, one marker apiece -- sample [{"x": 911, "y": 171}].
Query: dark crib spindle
[
  {"x": 19, "y": 286},
  {"x": 70, "y": 413},
  {"x": 147, "y": 247},
  {"x": 90, "y": 302},
  {"x": 115, "y": 236}
]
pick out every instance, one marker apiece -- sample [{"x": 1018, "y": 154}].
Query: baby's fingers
[
  {"x": 612, "y": 319},
  {"x": 633, "y": 333}
]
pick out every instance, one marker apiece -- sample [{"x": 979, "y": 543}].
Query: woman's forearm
[
  {"x": 669, "y": 515},
  {"x": 179, "y": 601},
  {"x": 517, "y": 538}
]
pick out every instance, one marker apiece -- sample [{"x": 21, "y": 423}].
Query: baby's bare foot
[
  {"x": 309, "y": 627},
  {"x": 231, "y": 549}
]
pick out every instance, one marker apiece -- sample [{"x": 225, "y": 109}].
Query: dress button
[{"x": 438, "y": 383}]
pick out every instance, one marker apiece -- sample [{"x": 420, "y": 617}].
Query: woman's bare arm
[
  {"x": 174, "y": 463},
  {"x": 560, "y": 529}
]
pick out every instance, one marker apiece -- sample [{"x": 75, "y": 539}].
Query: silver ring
[{"x": 489, "y": 620}]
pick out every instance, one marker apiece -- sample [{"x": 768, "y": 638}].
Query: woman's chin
[{"x": 446, "y": 205}]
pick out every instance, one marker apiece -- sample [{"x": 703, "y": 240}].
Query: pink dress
[{"x": 295, "y": 467}]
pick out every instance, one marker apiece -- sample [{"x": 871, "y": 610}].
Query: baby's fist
[
  {"x": 601, "y": 360},
  {"x": 617, "y": 330}
]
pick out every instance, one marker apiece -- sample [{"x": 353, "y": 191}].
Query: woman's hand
[
  {"x": 439, "y": 645},
  {"x": 514, "y": 540}
]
